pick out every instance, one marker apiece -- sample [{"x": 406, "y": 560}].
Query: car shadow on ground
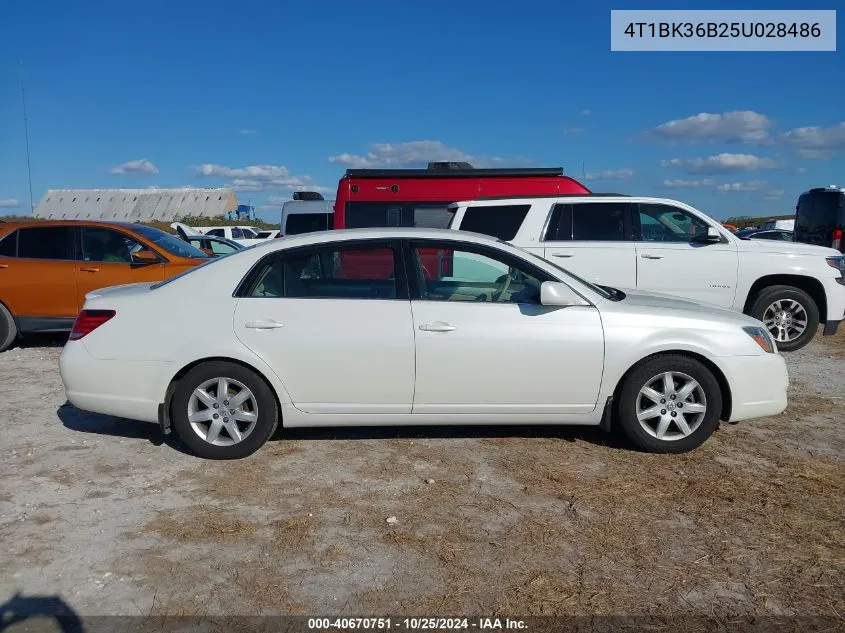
[
  {"x": 99, "y": 424},
  {"x": 41, "y": 340}
]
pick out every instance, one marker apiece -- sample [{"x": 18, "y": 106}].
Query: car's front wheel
[
  {"x": 789, "y": 313},
  {"x": 222, "y": 410},
  {"x": 670, "y": 404}
]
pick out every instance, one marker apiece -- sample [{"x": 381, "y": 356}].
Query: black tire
[
  {"x": 768, "y": 296},
  {"x": 8, "y": 329},
  {"x": 264, "y": 399},
  {"x": 641, "y": 376}
]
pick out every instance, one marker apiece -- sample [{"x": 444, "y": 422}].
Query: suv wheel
[
  {"x": 670, "y": 404},
  {"x": 8, "y": 329},
  {"x": 789, "y": 313},
  {"x": 222, "y": 410}
]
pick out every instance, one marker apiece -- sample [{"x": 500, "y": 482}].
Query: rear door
[
  {"x": 107, "y": 258},
  {"x": 593, "y": 240},
  {"x": 38, "y": 277},
  {"x": 671, "y": 261}
]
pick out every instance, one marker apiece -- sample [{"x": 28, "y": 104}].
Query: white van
[{"x": 306, "y": 216}]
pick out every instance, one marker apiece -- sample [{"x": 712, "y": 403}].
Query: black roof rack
[{"x": 455, "y": 173}]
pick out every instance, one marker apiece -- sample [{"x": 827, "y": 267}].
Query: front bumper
[{"x": 758, "y": 385}]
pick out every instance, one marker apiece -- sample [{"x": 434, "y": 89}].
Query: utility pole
[{"x": 26, "y": 137}]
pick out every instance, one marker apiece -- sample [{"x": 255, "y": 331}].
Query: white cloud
[
  {"x": 10, "y": 203},
  {"x": 142, "y": 166},
  {"x": 774, "y": 194},
  {"x": 259, "y": 178},
  {"x": 573, "y": 130},
  {"x": 801, "y": 170},
  {"x": 247, "y": 131},
  {"x": 721, "y": 164},
  {"x": 416, "y": 154},
  {"x": 816, "y": 142},
  {"x": 742, "y": 125},
  {"x": 586, "y": 112},
  {"x": 610, "y": 174},
  {"x": 734, "y": 187},
  {"x": 688, "y": 184}
]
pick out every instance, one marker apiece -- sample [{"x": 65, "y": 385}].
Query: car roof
[{"x": 18, "y": 224}]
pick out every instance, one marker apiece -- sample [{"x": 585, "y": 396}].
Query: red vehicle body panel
[{"x": 419, "y": 197}]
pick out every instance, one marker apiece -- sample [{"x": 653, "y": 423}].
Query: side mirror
[
  {"x": 712, "y": 237},
  {"x": 145, "y": 256},
  {"x": 557, "y": 293}
]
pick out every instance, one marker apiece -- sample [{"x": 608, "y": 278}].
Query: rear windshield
[
  {"x": 297, "y": 223},
  {"x": 817, "y": 215}
]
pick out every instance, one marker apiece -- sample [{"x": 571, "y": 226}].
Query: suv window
[
  {"x": 817, "y": 215},
  {"x": 237, "y": 234},
  {"x": 473, "y": 276},
  {"x": 8, "y": 245},
  {"x": 333, "y": 272},
  {"x": 216, "y": 233},
  {"x": 106, "y": 245},
  {"x": 45, "y": 242},
  {"x": 502, "y": 222},
  {"x": 665, "y": 223},
  {"x": 431, "y": 215},
  {"x": 589, "y": 221}
]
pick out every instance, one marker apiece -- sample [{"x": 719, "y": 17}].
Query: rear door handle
[
  {"x": 561, "y": 255},
  {"x": 438, "y": 326},
  {"x": 266, "y": 324},
  {"x": 90, "y": 270},
  {"x": 4, "y": 265},
  {"x": 647, "y": 256}
]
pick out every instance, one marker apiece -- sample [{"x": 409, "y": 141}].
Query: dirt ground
[{"x": 98, "y": 514}]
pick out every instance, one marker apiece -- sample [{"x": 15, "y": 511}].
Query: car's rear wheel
[
  {"x": 789, "y": 313},
  {"x": 222, "y": 410},
  {"x": 670, "y": 404},
  {"x": 8, "y": 329}
]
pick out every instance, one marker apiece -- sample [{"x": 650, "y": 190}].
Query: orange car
[{"x": 47, "y": 267}]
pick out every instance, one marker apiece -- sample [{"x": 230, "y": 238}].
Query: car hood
[
  {"x": 794, "y": 248},
  {"x": 650, "y": 302}
]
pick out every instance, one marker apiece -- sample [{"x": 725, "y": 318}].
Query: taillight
[
  {"x": 89, "y": 320},
  {"x": 837, "y": 239}
]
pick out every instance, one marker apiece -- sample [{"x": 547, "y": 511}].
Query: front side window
[
  {"x": 334, "y": 272},
  {"x": 664, "y": 223},
  {"x": 216, "y": 233},
  {"x": 168, "y": 242},
  {"x": 106, "y": 245},
  {"x": 48, "y": 242},
  {"x": 501, "y": 222},
  {"x": 473, "y": 276},
  {"x": 9, "y": 244},
  {"x": 599, "y": 222},
  {"x": 221, "y": 248},
  {"x": 237, "y": 234}
]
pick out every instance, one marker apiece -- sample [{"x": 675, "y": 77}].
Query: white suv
[{"x": 667, "y": 246}]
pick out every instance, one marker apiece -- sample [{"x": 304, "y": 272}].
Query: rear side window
[
  {"x": 8, "y": 245},
  {"x": 600, "y": 222},
  {"x": 215, "y": 232},
  {"x": 237, "y": 234},
  {"x": 502, "y": 222},
  {"x": 48, "y": 242}
]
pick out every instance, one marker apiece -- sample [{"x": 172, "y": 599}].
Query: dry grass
[{"x": 202, "y": 523}]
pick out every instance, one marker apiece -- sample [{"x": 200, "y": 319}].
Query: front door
[
  {"x": 339, "y": 337},
  {"x": 486, "y": 345},
  {"x": 670, "y": 261},
  {"x": 109, "y": 258}
]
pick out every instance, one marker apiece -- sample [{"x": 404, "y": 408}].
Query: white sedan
[{"x": 411, "y": 326}]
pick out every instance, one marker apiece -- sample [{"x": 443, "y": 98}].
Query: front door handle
[
  {"x": 4, "y": 265},
  {"x": 647, "y": 256},
  {"x": 90, "y": 270},
  {"x": 265, "y": 324},
  {"x": 438, "y": 326},
  {"x": 561, "y": 255}
]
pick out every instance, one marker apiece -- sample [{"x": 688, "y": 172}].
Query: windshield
[{"x": 169, "y": 243}]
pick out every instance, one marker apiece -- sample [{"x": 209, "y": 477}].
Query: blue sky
[{"x": 270, "y": 96}]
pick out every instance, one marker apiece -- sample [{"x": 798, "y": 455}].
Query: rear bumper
[
  {"x": 758, "y": 385},
  {"x": 119, "y": 388}
]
